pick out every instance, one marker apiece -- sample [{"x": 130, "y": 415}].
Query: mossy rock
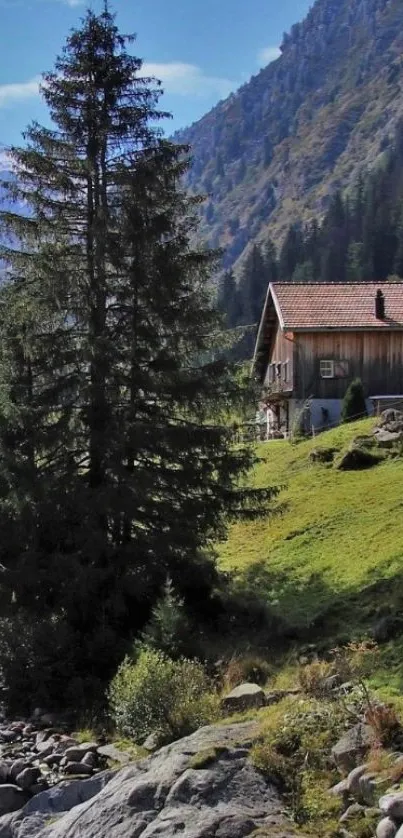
[
  {"x": 207, "y": 757},
  {"x": 323, "y": 455},
  {"x": 357, "y": 458}
]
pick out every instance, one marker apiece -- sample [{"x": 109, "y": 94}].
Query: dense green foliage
[
  {"x": 116, "y": 462},
  {"x": 354, "y": 406},
  {"x": 158, "y": 695},
  {"x": 304, "y": 127}
]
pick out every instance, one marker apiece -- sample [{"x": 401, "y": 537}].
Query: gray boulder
[
  {"x": 153, "y": 742},
  {"x": 28, "y": 777},
  {"x": 164, "y": 795},
  {"x": 387, "y": 439},
  {"x": 17, "y": 766},
  {"x": 77, "y": 752},
  {"x": 387, "y": 828},
  {"x": 392, "y": 805},
  {"x": 66, "y": 795},
  {"x": 244, "y": 697},
  {"x": 371, "y": 786},
  {"x": 340, "y": 789},
  {"x": 11, "y": 798},
  {"x": 353, "y": 779},
  {"x": 353, "y": 746},
  {"x": 353, "y": 811},
  {"x": 113, "y": 753},
  {"x": 78, "y": 768}
]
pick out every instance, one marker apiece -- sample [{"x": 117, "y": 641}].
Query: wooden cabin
[{"x": 314, "y": 339}]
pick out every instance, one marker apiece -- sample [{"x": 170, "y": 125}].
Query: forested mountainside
[
  {"x": 304, "y": 127},
  {"x": 360, "y": 238}
]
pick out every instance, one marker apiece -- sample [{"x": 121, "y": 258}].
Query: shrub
[
  {"x": 354, "y": 406},
  {"x": 384, "y": 722},
  {"x": 168, "y": 629},
  {"x": 313, "y": 675},
  {"x": 249, "y": 669},
  {"x": 159, "y": 694}
]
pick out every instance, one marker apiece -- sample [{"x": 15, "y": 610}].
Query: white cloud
[
  {"x": 267, "y": 55},
  {"x": 188, "y": 79},
  {"x": 18, "y": 91}
]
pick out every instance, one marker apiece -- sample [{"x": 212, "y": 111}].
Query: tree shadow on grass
[{"x": 311, "y": 611}]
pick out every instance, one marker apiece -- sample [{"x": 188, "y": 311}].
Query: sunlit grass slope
[{"x": 336, "y": 550}]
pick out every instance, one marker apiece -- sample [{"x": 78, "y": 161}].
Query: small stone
[
  {"x": 77, "y": 768},
  {"x": 387, "y": 828},
  {"x": 28, "y": 777},
  {"x": 113, "y": 753},
  {"x": 354, "y": 777},
  {"x": 16, "y": 768},
  {"x": 89, "y": 759},
  {"x": 153, "y": 742},
  {"x": 45, "y": 749},
  {"x": 340, "y": 789},
  {"x": 244, "y": 697},
  {"x": 53, "y": 759},
  {"x": 28, "y": 730},
  {"x": 332, "y": 683},
  {"x": 353, "y": 746},
  {"x": 353, "y": 811},
  {"x": 4, "y": 772},
  {"x": 42, "y": 736},
  {"x": 371, "y": 786},
  {"x": 8, "y": 735},
  {"x": 77, "y": 752},
  {"x": 392, "y": 805},
  {"x": 387, "y": 439}
]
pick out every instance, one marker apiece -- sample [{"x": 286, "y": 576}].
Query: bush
[
  {"x": 354, "y": 406},
  {"x": 248, "y": 669},
  {"x": 385, "y": 723},
  {"x": 312, "y": 677},
  {"x": 156, "y": 693}
]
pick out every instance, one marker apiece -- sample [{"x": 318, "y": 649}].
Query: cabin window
[
  {"x": 278, "y": 371},
  {"x": 285, "y": 371},
  {"x": 327, "y": 369}
]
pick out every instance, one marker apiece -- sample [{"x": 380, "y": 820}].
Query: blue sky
[{"x": 201, "y": 49}]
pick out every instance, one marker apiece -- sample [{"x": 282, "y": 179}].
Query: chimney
[{"x": 379, "y": 305}]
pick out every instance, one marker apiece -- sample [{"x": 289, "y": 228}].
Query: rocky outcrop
[{"x": 201, "y": 786}]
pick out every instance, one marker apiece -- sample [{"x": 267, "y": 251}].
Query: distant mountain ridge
[{"x": 303, "y": 128}]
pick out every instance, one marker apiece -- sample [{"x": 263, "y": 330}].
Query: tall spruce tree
[{"x": 118, "y": 468}]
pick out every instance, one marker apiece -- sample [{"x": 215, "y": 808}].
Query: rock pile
[
  {"x": 390, "y": 428},
  {"x": 360, "y": 791},
  {"x": 35, "y": 757}
]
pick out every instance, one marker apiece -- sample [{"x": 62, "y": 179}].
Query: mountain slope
[{"x": 305, "y": 126}]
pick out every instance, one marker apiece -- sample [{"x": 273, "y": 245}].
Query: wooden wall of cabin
[
  {"x": 282, "y": 352},
  {"x": 375, "y": 357}
]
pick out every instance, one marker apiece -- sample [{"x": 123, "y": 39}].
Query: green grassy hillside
[{"x": 333, "y": 557}]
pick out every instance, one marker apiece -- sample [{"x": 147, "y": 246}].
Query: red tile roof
[{"x": 337, "y": 306}]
